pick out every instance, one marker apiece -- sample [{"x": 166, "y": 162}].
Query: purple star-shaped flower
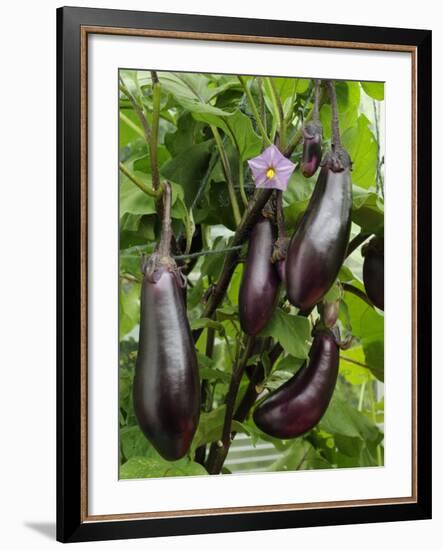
[{"x": 271, "y": 169}]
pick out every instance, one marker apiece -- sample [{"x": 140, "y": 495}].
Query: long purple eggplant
[
  {"x": 298, "y": 405},
  {"x": 312, "y": 145},
  {"x": 260, "y": 281},
  {"x": 166, "y": 384},
  {"x": 318, "y": 247},
  {"x": 374, "y": 271}
]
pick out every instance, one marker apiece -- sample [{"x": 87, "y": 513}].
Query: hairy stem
[
  {"x": 153, "y": 142},
  {"x": 275, "y": 97},
  {"x": 336, "y": 141},
  {"x": 165, "y": 241},
  {"x": 316, "y": 108},
  {"x": 280, "y": 218},
  {"x": 254, "y": 109},
  {"x": 227, "y": 173}
]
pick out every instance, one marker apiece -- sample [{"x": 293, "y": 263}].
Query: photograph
[{"x": 251, "y": 273}]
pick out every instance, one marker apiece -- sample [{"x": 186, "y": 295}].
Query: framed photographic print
[{"x": 244, "y": 274}]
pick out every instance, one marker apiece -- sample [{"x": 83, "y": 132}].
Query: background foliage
[{"x": 192, "y": 106}]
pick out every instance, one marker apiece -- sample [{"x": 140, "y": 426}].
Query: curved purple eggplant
[
  {"x": 311, "y": 156},
  {"x": 260, "y": 281},
  {"x": 298, "y": 405},
  {"x": 374, "y": 271},
  {"x": 318, "y": 247},
  {"x": 166, "y": 386}
]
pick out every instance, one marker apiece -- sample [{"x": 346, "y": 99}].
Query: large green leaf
[
  {"x": 188, "y": 168},
  {"x": 348, "y": 101},
  {"x": 342, "y": 419},
  {"x": 362, "y": 147},
  {"x": 191, "y": 91},
  {"x": 291, "y": 331},
  {"x": 367, "y": 210},
  {"x": 376, "y": 90},
  {"x": 129, "y": 307},
  {"x": 142, "y": 467},
  {"x": 238, "y": 127}
]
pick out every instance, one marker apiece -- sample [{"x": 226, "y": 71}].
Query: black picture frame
[{"x": 72, "y": 525}]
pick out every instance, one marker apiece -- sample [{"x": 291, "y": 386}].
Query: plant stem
[
  {"x": 356, "y": 242},
  {"x": 140, "y": 184},
  {"x": 262, "y": 105},
  {"x": 316, "y": 108},
  {"x": 219, "y": 451},
  {"x": 279, "y": 109},
  {"x": 354, "y": 362},
  {"x": 228, "y": 175},
  {"x": 153, "y": 142},
  {"x": 254, "y": 109},
  {"x": 380, "y": 183},
  {"x": 362, "y": 395},
  {"x": 298, "y": 135},
  {"x": 280, "y": 219},
  {"x": 357, "y": 292},
  {"x": 131, "y": 125},
  {"x": 165, "y": 241},
  {"x": 138, "y": 111},
  {"x": 207, "y": 253},
  {"x": 336, "y": 141},
  {"x": 241, "y": 182}
]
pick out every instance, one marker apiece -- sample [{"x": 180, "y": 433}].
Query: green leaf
[
  {"x": 238, "y": 127},
  {"x": 291, "y": 331},
  {"x": 354, "y": 374},
  {"x": 342, "y": 419},
  {"x": 362, "y": 148},
  {"x": 191, "y": 91},
  {"x": 188, "y": 168},
  {"x": 367, "y": 210},
  {"x": 141, "y": 467},
  {"x": 209, "y": 428},
  {"x": 129, "y": 307},
  {"x": 132, "y": 199},
  {"x": 376, "y": 90},
  {"x": 298, "y": 455},
  {"x": 134, "y": 443},
  {"x": 348, "y": 101}
]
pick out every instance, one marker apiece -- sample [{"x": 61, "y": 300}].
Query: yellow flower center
[{"x": 270, "y": 173}]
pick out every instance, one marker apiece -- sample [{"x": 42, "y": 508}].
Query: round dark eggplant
[
  {"x": 260, "y": 281},
  {"x": 298, "y": 405},
  {"x": 312, "y": 141},
  {"x": 166, "y": 384},
  {"x": 318, "y": 247},
  {"x": 374, "y": 271}
]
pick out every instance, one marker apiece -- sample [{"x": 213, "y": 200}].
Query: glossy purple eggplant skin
[
  {"x": 312, "y": 148},
  {"x": 166, "y": 384},
  {"x": 374, "y": 272},
  {"x": 318, "y": 247},
  {"x": 260, "y": 281},
  {"x": 299, "y": 404}
]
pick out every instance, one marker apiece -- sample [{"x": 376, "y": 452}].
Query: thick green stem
[
  {"x": 228, "y": 174},
  {"x": 336, "y": 141},
  {"x": 278, "y": 107},
  {"x": 165, "y": 241},
  {"x": 254, "y": 109},
  {"x": 156, "y": 194},
  {"x": 153, "y": 142}
]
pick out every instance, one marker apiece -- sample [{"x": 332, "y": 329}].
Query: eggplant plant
[{"x": 255, "y": 207}]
